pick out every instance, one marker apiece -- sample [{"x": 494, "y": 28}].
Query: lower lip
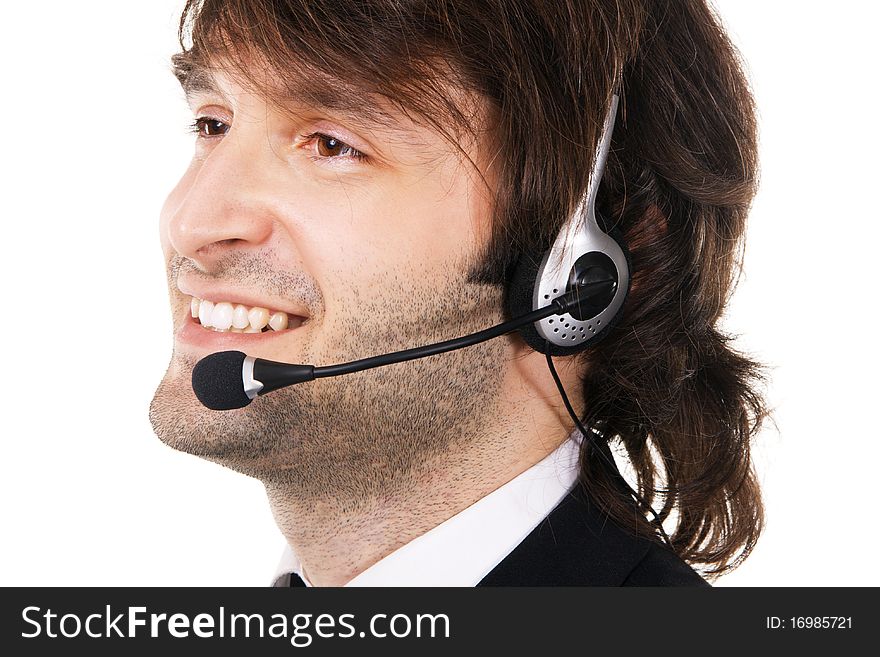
[{"x": 194, "y": 334}]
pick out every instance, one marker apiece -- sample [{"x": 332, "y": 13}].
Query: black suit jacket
[{"x": 576, "y": 545}]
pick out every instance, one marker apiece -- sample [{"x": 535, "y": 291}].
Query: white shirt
[{"x": 465, "y": 548}]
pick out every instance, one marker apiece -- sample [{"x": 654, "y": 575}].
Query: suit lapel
[{"x": 575, "y": 545}]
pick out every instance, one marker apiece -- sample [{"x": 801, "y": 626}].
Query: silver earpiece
[{"x": 582, "y": 244}]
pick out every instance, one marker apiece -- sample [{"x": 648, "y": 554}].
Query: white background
[{"x": 94, "y": 137}]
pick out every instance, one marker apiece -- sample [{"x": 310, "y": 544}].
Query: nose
[{"x": 220, "y": 205}]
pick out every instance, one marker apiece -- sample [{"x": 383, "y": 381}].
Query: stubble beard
[{"x": 359, "y": 437}]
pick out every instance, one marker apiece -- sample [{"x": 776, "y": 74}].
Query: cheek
[{"x": 401, "y": 226}]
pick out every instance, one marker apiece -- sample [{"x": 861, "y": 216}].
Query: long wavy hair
[{"x": 665, "y": 388}]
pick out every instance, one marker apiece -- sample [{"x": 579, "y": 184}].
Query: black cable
[{"x": 609, "y": 459}]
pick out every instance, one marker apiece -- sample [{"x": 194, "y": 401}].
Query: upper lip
[{"x": 233, "y": 295}]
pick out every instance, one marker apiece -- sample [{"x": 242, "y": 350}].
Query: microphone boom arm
[
  {"x": 559, "y": 306},
  {"x": 231, "y": 379}
]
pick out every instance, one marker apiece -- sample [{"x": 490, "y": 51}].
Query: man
[{"x": 366, "y": 176}]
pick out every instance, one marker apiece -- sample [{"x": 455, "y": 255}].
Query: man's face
[{"x": 359, "y": 240}]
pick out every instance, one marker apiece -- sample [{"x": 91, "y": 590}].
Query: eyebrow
[
  {"x": 194, "y": 79},
  {"x": 345, "y": 102}
]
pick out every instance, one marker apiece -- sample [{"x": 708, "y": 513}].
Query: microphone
[{"x": 227, "y": 380}]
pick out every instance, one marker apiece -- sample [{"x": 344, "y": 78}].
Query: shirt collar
[{"x": 463, "y": 549}]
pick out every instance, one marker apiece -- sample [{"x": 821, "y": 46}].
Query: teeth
[
  {"x": 278, "y": 321},
  {"x": 206, "y": 309},
  {"x": 221, "y": 318},
  {"x": 258, "y": 318},
  {"x": 240, "y": 317},
  {"x": 224, "y": 316}
]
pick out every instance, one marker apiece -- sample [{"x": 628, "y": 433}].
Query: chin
[{"x": 238, "y": 439}]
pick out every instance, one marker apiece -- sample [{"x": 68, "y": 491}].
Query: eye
[
  {"x": 329, "y": 146},
  {"x": 207, "y": 127}
]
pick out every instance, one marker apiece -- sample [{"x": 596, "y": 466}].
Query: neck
[{"x": 338, "y": 537}]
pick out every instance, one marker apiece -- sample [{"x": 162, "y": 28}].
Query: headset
[{"x": 582, "y": 253}]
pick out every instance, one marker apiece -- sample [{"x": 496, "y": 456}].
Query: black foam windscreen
[
  {"x": 217, "y": 381},
  {"x": 521, "y": 289}
]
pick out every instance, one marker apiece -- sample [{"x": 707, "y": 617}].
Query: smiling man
[{"x": 366, "y": 176}]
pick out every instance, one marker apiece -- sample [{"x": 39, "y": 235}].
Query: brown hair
[{"x": 665, "y": 384}]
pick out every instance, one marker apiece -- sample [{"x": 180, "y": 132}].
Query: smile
[{"x": 226, "y": 317}]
